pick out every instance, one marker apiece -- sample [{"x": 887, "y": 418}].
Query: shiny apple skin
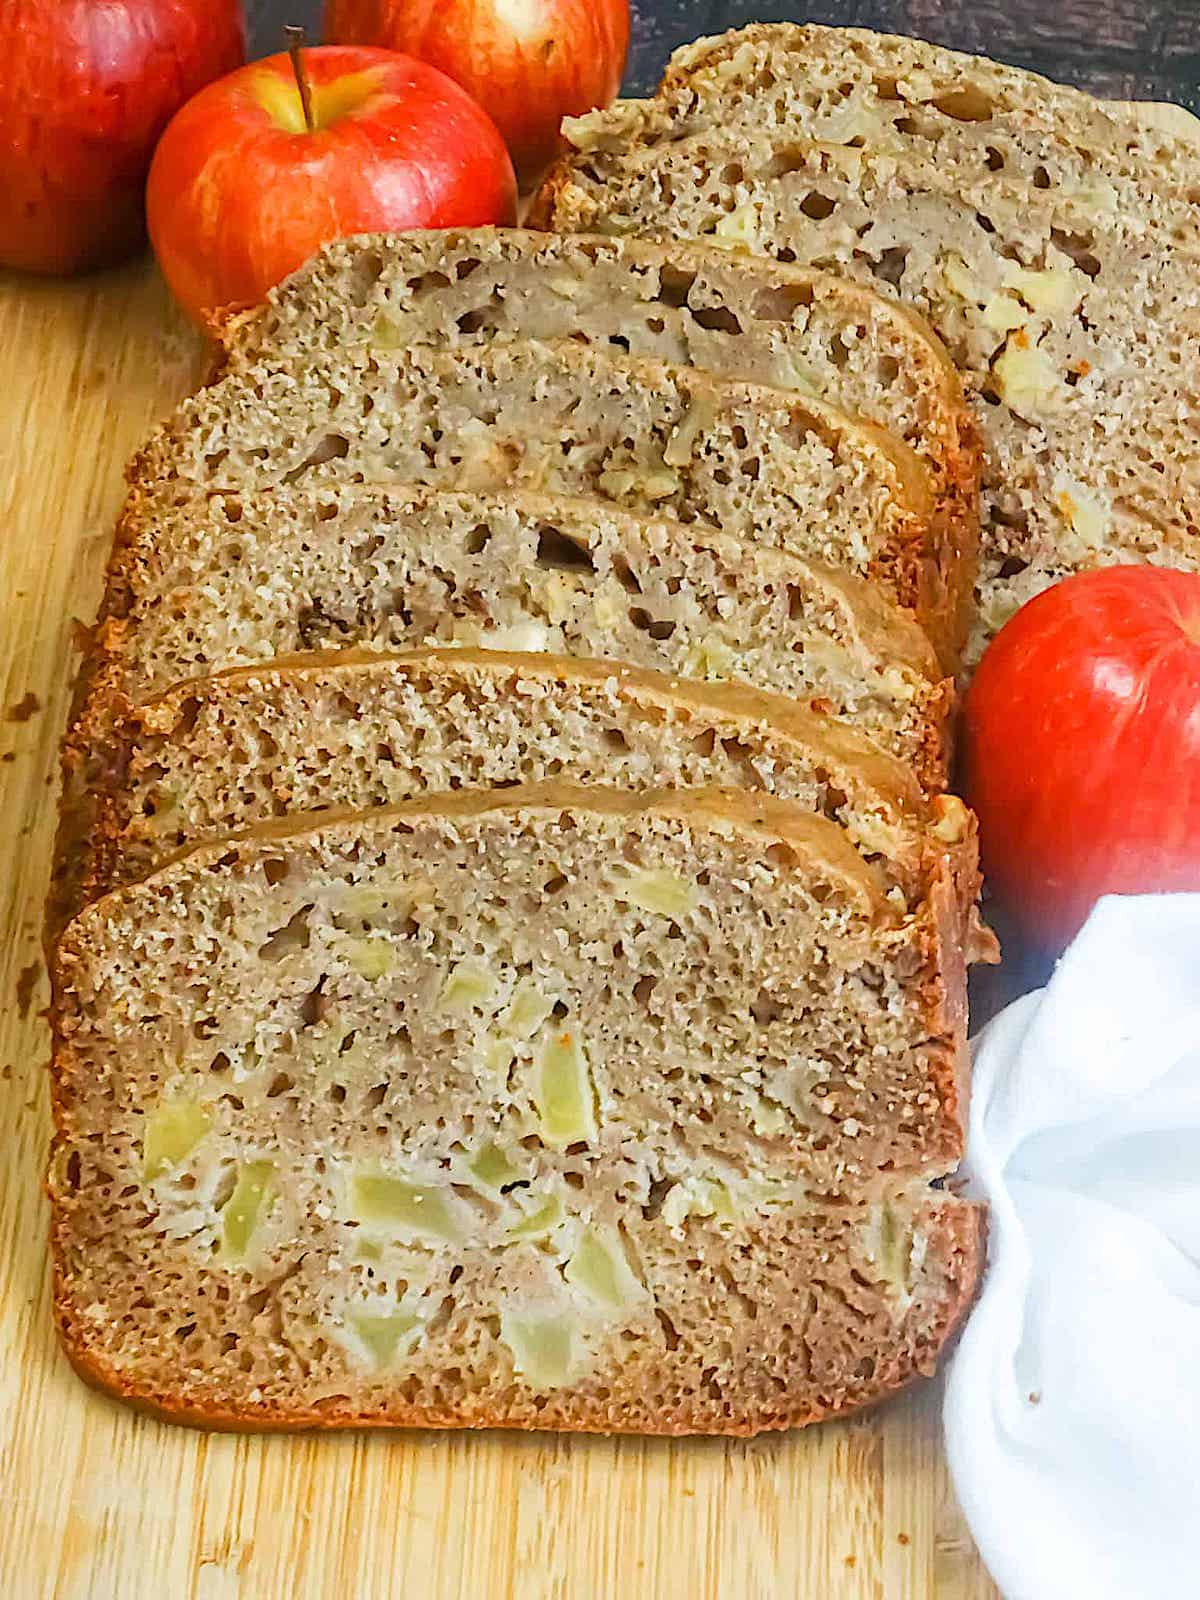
[
  {"x": 238, "y": 199},
  {"x": 86, "y": 88},
  {"x": 1082, "y": 747},
  {"x": 529, "y": 63}
]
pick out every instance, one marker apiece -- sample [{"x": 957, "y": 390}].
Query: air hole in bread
[
  {"x": 670, "y": 1334},
  {"x": 554, "y": 549},
  {"x": 718, "y": 319},
  {"x": 818, "y": 206},
  {"x": 428, "y": 281},
  {"x": 659, "y": 1189},
  {"x": 366, "y": 273},
  {"x": 891, "y": 263},
  {"x": 674, "y": 287},
  {"x": 294, "y": 935},
  {"x": 329, "y": 447},
  {"x": 966, "y": 103},
  {"x": 189, "y": 710},
  {"x": 1012, "y": 567},
  {"x": 1078, "y": 247},
  {"x": 624, "y": 575},
  {"x": 786, "y": 159},
  {"x": 645, "y": 623},
  {"x": 766, "y": 1008},
  {"x": 781, "y": 304}
]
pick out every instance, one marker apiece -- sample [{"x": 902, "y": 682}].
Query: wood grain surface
[{"x": 97, "y": 1503}]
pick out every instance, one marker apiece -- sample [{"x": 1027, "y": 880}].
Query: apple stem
[{"x": 295, "y": 43}]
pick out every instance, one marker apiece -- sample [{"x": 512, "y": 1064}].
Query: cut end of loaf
[{"x": 498, "y": 1110}]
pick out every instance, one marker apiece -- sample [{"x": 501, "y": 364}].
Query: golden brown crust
[
  {"x": 964, "y": 1241},
  {"x": 814, "y": 840}
]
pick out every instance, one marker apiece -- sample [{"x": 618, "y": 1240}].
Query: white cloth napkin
[{"x": 1072, "y": 1412}]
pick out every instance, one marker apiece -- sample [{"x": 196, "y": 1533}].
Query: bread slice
[
  {"x": 237, "y": 580},
  {"x": 232, "y": 580},
  {"x": 905, "y": 97},
  {"x": 1064, "y": 324},
  {"x": 353, "y": 730},
  {"x": 760, "y": 463},
  {"x": 552, "y": 1107},
  {"x": 736, "y": 316}
]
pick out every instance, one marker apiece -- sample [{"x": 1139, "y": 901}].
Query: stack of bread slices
[
  {"x": 511, "y": 927},
  {"x": 1051, "y": 240}
]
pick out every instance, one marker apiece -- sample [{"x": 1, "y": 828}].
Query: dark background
[{"x": 1129, "y": 49}]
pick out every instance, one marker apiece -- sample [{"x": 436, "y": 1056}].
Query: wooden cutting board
[{"x": 97, "y": 1503}]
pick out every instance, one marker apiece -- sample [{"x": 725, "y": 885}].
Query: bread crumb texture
[{"x": 542, "y": 1109}]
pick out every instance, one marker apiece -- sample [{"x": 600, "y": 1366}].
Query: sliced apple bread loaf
[
  {"x": 762, "y": 463},
  {"x": 353, "y": 730},
  {"x": 735, "y": 315},
  {"x": 1064, "y": 322},
  {"x": 542, "y": 1107}
]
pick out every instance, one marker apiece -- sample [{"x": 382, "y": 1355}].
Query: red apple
[
  {"x": 1082, "y": 747},
  {"x": 529, "y": 63},
  {"x": 263, "y": 167},
  {"x": 86, "y": 88}
]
